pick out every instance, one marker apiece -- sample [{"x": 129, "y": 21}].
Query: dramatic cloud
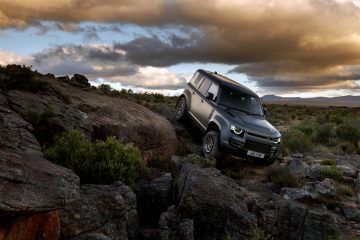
[
  {"x": 284, "y": 45},
  {"x": 105, "y": 62}
]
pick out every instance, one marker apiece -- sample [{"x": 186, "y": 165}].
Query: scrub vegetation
[
  {"x": 311, "y": 129},
  {"x": 100, "y": 162}
]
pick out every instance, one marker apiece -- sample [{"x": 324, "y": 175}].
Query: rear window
[
  {"x": 205, "y": 85},
  {"x": 196, "y": 79}
]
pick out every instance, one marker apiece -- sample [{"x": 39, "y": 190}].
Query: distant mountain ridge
[{"x": 349, "y": 100}]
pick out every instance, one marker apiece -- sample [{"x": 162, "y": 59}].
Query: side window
[
  {"x": 214, "y": 90},
  {"x": 204, "y": 87},
  {"x": 196, "y": 79}
]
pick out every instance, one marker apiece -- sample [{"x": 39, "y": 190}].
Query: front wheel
[
  {"x": 180, "y": 109},
  {"x": 211, "y": 144}
]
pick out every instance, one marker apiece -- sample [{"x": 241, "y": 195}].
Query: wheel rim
[
  {"x": 209, "y": 144},
  {"x": 180, "y": 108}
]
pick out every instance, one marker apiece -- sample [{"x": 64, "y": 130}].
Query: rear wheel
[
  {"x": 211, "y": 144},
  {"x": 180, "y": 109}
]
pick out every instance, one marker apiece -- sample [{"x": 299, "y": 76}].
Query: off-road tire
[
  {"x": 180, "y": 109},
  {"x": 210, "y": 145}
]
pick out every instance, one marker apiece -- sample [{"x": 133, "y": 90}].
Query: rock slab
[
  {"x": 103, "y": 209},
  {"x": 214, "y": 202}
]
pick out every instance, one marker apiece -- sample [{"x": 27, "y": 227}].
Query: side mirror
[
  {"x": 265, "y": 111},
  {"x": 210, "y": 96}
]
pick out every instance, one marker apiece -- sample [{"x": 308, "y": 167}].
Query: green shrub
[
  {"x": 332, "y": 172},
  {"x": 102, "y": 162},
  {"x": 329, "y": 162},
  {"x": 105, "y": 88},
  {"x": 201, "y": 161},
  {"x": 309, "y": 128},
  {"x": 349, "y": 131},
  {"x": 344, "y": 190},
  {"x": 42, "y": 126},
  {"x": 281, "y": 177},
  {"x": 344, "y": 148},
  {"x": 296, "y": 140},
  {"x": 22, "y": 78},
  {"x": 325, "y": 133},
  {"x": 259, "y": 234}
]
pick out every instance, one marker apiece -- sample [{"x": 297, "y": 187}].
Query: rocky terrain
[{"x": 185, "y": 198}]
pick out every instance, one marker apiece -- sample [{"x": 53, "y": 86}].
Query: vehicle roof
[{"x": 227, "y": 82}]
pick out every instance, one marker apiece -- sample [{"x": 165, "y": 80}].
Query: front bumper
[{"x": 268, "y": 148}]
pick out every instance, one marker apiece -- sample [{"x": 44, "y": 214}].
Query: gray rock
[
  {"x": 153, "y": 198},
  {"x": 349, "y": 170},
  {"x": 351, "y": 212},
  {"x": 97, "y": 116},
  {"x": 106, "y": 209},
  {"x": 296, "y": 221},
  {"x": 205, "y": 195},
  {"x": 316, "y": 169},
  {"x": 173, "y": 227},
  {"x": 29, "y": 183},
  {"x": 81, "y": 80},
  {"x": 298, "y": 167},
  {"x": 311, "y": 190}
]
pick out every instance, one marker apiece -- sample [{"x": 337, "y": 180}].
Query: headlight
[
  {"x": 277, "y": 140},
  {"x": 237, "y": 130}
]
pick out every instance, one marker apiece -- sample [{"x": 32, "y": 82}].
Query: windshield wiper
[{"x": 236, "y": 109}]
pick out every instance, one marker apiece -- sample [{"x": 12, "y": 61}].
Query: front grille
[
  {"x": 257, "y": 147},
  {"x": 235, "y": 144},
  {"x": 256, "y": 135}
]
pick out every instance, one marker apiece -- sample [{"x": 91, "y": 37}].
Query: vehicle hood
[{"x": 254, "y": 124}]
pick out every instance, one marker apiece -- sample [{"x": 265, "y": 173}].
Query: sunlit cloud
[{"x": 282, "y": 46}]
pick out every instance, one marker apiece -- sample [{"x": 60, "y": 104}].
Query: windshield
[{"x": 240, "y": 101}]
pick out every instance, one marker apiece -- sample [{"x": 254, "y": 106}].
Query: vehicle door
[
  {"x": 202, "y": 107},
  {"x": 207, "y": 103}
]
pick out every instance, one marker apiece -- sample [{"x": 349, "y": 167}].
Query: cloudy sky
[{"x": 289, "y": 48}]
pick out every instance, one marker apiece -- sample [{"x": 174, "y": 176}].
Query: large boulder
[
  {"x": 103, "y": 209},
  {"x": 215, "y": 203},
  {"x": 297, "y": 221},
  {"x": 311, "y": 190},
  {"x": 81, "y": 80},
  {"x": 45, "y": 226},
  {"x": 29, "y": 183},
  {"x": 97, "y": 115},
  {"x": 298, "y": 167},
  {"x": 153, "y": 198},
  {"x": 173, "y": 227}
]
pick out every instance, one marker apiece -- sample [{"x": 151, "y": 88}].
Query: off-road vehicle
[{"x": 230, "y": 115}]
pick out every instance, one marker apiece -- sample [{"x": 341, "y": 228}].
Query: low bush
[
  {"x": 344, "y": 190},
  {"x": 201, "y": 161},
  {"x": 260, "y": 234},
  {"x": 332, "y": 172},
  {"x": 146, "y": 97},
  {"x": 281, "y": 177},
  {"x": 349, "y": 131},
  {"x": 309, "y": 128},
  {"x": 297, "y": 141},
  {"x": 344, "y": 148},
  {"x": 102, "y": 162},
  {"x": 325, "y": 133},
  {"x": 21, "y": 78},
  {"x": 329, "y": 162},
  {"x": 42, "y": 127}
]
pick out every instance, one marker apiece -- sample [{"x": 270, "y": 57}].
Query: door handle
[{"x": 201, "y": 100}]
